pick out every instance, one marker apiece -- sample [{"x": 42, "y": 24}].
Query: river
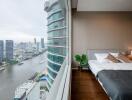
[{"x": 15, "y": 75}]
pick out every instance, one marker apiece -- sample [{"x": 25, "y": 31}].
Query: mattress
[{"x": 96, "y": 66}]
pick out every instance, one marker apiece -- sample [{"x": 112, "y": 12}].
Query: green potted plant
[{"x": 82, "y": 60}]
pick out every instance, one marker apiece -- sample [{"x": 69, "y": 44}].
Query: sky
[{"x": 22, "y": 20}]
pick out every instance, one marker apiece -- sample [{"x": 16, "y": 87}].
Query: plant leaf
[
  {"x": 78, "y": 58},
  {"x": 84, "y": 60}
]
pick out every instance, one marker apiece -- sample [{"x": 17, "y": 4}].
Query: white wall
[{"x": 101, "y": 30}]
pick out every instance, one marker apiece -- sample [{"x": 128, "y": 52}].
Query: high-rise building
[
  {"x": 38, "y": 46},
  {"x": 35, "y": 41},
  {"x": 42, "y": 42},
  {"x": 56, "y": 39},
  {"x": 9, "y": 49},
  {"x": 1, "y": 50}
]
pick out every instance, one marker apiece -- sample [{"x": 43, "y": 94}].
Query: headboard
[{"x": 91, "y": 52}]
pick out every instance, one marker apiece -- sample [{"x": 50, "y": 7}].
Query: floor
[{"x": 86, "y": 87}]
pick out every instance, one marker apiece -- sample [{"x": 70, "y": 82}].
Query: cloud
[{"x": 24, "y": 17}]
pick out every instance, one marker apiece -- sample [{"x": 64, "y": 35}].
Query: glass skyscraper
[
  {"x": 9, "y": 49},
  {"x": 1, "y": 51},
  {"x": 42, "y": 42},
  {"x": 57, "y": 38}
]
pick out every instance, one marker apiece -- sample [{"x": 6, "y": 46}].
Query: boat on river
[
  {"x": 2, "y": 68},
  {"x": 20, "y": 63}
]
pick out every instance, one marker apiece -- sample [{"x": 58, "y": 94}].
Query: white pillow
[
  {"x": 101, "y": 57},
  {"x": 114, "y": 54}
]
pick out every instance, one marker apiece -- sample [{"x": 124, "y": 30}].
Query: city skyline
[{"x": 38, "y": 39}]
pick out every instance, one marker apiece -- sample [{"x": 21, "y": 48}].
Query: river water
[{"x": 15, "y": 75}]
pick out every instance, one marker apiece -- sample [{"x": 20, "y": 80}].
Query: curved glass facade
[
  {"x": 57, "y": 50},
  {"x": 56, "y": 24},
  {"x": 49, "y": 79},
  {"x": 54, "y": 67},
  {"x": 58, "y": 33},
  {"x": 56, "y": 39},
  {"x": 52, "y": 74},
  {"x": 56, "y": 58}
]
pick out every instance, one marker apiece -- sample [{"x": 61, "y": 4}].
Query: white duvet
[{"x": 96, "y": 66}]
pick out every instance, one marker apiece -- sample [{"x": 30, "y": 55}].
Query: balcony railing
[{"x": 60, "y": 89}]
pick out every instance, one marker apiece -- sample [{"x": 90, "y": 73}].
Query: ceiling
[{"x": 102, "y": 5}]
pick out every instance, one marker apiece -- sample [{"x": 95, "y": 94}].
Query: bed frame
[{"x": 91, "y": 56}]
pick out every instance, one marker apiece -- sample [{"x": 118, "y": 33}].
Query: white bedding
[{"x": 96, "y": 66}]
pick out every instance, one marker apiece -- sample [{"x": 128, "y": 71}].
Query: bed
[{"x": 115, "y": 78}]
